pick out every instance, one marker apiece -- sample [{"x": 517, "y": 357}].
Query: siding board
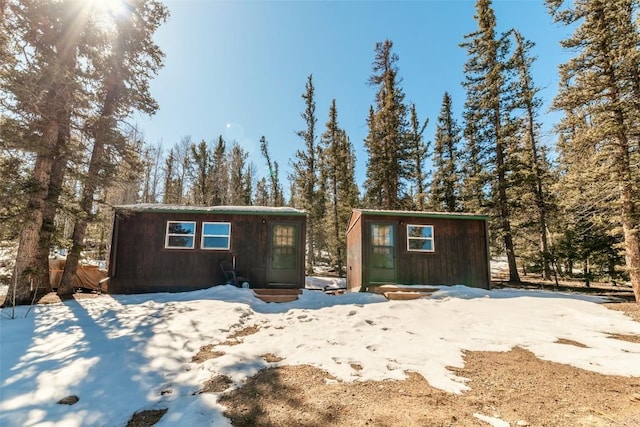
[
  {"x": 460, "y": 243},
  {"x": 140, "y": 263}
]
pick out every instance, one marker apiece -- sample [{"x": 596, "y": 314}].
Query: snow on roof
[
  {"x": 424, "y": 214},
  {"x": 249, "y": 210}
]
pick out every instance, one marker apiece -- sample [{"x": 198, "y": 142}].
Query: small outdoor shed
[
  {"x": 405, "y": 247},
  {"x": 168, "y": 248}
]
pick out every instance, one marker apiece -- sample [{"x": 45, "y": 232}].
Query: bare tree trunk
[
  {"x": 103, "y": 135},
  {"x": 336, "y": 226},
  {"x": 31, "y": 269},
  {"x": 631, "y": 229},
  {"x": 503, "y": 204}
]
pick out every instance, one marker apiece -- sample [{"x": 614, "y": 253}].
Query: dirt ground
[{"x": 513, "y": 386}]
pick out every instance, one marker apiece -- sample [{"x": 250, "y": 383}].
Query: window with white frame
[
  {"x": 216, "y": 235},
  {"x": 420, "y": 238},
  {"x": 180, "y": 235}
]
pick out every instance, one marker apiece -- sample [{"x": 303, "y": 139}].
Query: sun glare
[
  {"x": 113, "y": 7},
  {"x": 105, "y": 11}
]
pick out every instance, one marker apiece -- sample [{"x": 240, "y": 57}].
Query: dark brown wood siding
[
  {"x": 460, "y": 256},
  {"x": 354, "y": 252},
  {"x": 140, "y": 262}
]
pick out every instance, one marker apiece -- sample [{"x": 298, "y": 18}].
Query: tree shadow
[
  {"x": 97, "y": 352},
  {"x": 269, "y": 398}
]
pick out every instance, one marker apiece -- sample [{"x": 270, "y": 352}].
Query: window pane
[
  {"x": 182, "y": 227},
  {"x": 180, "y": 242},
  {"x": 382, "y": 257},
  {"x": 284, "y": 235},
  {"x": 284, "y": 259},
  {"x": 420, "y": 231},
  {"x": 420, "y": 238},
  {"x": 217, "y": 229},
  {"x": 381, "y": 235},
  {"x": 215, "y": 243},
  {"x": 283, "y": 251},
  {"x": 420, "y": 245}
]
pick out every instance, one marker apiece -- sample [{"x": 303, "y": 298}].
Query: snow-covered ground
[{"x": 125, "y": 353}]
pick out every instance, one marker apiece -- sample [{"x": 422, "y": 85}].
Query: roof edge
[
  {"x": 243, "y": 210},
  {"x": 424, "y": 214}
]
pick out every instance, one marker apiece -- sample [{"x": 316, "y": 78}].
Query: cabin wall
[
  {"x": 140, "y": 263},
  {"x": 460, "y": 256},
  {"x": 354, "y": 252}
]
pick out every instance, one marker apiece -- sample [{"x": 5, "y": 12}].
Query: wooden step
[
  {"x": 405, "y": 295},
  {"x": 382, "y": 289},
  {"x": 277, "y": 298},
  {"x": 277, "y": 295},
  {"x": 267, "y": 291},
  {"x": 402, "y": 292}
]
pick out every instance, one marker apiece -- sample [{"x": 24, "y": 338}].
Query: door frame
[
  {"x": 283, "y": 277},
  {"x": 370, "y": 248}
]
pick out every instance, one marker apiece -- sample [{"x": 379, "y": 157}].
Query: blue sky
[{"x": 238, "y": 68}]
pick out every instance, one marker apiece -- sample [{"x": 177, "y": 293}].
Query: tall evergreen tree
[
  {"x": 599, "y": 86},
  {"x": 262, "y": 197},
  {"x": 219, "y": 174},
  {"x": 418, "y": 153},
  {"x": 535, "y": 171},
  {"x": 238, "y": 171},
  {"x": 40, "y": 85},
  {"x": 276, "y": 196},
  {"x": 200, "y": 173},
  {"x": 387, "y": 145},
  {"x": 488, "y": 102},
  {"x": 337, "y": 172},
  {"x": 304, "y": 177},
  {"x": 445, "y": 185}
]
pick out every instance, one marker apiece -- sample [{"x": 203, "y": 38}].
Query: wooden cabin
[
  {"x": 426, "y": 248},
  {"x": 167, "y": 248}
]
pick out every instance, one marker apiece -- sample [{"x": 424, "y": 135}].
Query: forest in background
[{"x": 70, "y": 84}]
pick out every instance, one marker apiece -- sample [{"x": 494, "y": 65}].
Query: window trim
[
  {"x": 431, "y": 239},
  {"x": 193, "y": 236},
  {"x": 203, "y": 236}
]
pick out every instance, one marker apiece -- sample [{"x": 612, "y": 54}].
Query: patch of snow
[
  {"x": 495, "y": 422},
  {"x": 139, "y": 348}
]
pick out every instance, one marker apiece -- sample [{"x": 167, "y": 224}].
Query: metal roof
[
  {"x": 422, "y": 214},
  {"x": 243, "y": 210}
]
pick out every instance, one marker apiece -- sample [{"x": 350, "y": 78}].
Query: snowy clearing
[{"x": 139, "y": 348}]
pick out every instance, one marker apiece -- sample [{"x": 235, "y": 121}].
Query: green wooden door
[
  {"x": 382, "y": 255},
  {"x": 283, "y": 253}
]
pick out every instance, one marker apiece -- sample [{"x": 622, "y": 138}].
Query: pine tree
[
  {"x": 445, "y": 185},
  {"x": 387, "y": 145},
  {"x": 219, "y": 174},
  {"x": 238, "y": 171},
  {"x": 599, "y": 86},
  {"x": 304, "y": 177},
  {"x": 418, "y": 153},
  {"x": 488, "y": 104},
  {"x": 276, "y": 196},
  {"x": 337, "y": 172},
  {"x": 200, "y": 173},
  {"x": 40, "y": 86},
  {"x": 536, "y": 167},
  {"x": 261, "y": 197}
]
